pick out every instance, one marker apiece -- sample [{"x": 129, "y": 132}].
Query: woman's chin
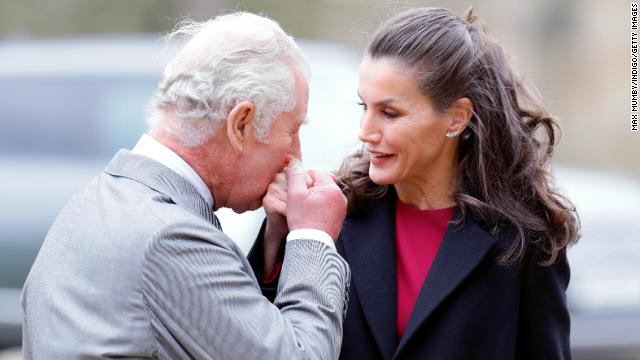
[{"x": 381, "y": 179}]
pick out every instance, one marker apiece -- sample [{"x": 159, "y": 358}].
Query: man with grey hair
[{"x": 136, "y": 265}]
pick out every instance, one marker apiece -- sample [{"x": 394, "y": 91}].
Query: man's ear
[
  {"x": 460, "y": 112},
  {"x": 240, "y": 123}
]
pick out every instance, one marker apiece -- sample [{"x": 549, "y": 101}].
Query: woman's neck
[{"x": 434, "y": 192}]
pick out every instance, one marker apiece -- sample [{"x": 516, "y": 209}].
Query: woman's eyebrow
[{"x": 383, "y": 102}]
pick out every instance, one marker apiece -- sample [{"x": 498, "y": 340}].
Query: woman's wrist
[{"x": 275, "y": 232}]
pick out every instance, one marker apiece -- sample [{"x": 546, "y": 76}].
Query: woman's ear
[
  {"x": 240, "y": 123},
  {"x": 460, "y": 111}
]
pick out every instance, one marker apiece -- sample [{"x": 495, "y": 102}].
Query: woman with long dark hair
[{"x": 456, "y": 236}]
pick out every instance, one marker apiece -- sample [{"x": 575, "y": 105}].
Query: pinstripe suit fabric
[{"x": 136, "y": 266}]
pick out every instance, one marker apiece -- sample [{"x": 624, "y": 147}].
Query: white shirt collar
[{"x": 154, "y": 150}]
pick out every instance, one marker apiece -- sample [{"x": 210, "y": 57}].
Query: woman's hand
[
  {"x": 275, "y": 206},
  {"x": 276, "y": 230}
]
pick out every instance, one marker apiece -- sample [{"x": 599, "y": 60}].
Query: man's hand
[{"x": 320, "y": 206}]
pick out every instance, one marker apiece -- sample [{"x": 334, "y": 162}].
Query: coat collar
[
  {"x": 369, "y": 244},
  {"x": 161, "y": 179}
]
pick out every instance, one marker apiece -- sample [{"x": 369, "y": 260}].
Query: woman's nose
[{"x": 368, "y": 131}]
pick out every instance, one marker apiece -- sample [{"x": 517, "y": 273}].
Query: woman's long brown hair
[{"x": 504, "y": 153}]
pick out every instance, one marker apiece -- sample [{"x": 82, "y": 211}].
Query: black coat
[{"x": 469, "y": 306}]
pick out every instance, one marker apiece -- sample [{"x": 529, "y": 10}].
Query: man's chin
[
  {"x": 257, "y": 205},
  {"x": 250, "y": 207}
]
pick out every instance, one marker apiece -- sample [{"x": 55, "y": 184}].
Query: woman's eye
[
  {"x": 387, "y": 113},
  {"x": 390, "y": 114}
]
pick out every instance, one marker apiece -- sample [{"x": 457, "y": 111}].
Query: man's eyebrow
[{"x": 383, "y": 102}]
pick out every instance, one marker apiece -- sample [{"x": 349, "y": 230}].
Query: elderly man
[{"x": 136, "y": 265}]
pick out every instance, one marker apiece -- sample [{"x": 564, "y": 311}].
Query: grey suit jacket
[{"x": 136, "y": 266}]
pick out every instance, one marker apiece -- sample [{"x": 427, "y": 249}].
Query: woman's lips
[{"x": 379, "y": 158}]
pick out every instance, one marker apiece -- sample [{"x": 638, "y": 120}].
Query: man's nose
[{"x": 296, "y": 151}]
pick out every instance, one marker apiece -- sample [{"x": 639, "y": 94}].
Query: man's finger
[{"x": 296, "y": 177}]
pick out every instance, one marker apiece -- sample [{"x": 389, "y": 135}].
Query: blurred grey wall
[{"x": 576, "y": 52}]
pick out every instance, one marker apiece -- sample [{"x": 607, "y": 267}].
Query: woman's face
[{"x": 401, "y": 128}]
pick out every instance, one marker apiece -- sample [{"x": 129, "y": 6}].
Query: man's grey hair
[{"x": 226, "y": 60}]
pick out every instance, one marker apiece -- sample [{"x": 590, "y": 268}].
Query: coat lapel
[
  {"x": 460, "y": 252},
  {"x": 369, "y": 245}
]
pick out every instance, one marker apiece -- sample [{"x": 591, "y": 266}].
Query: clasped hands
[{"x": 299, "y": 199}]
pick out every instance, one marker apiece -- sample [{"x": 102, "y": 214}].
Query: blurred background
[{"x": 75, "y": 75}]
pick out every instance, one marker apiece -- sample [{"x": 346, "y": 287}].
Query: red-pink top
[{"x": 419, "y": 234}]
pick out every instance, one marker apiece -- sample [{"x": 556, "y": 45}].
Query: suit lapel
[
  {"x": 460, "y": 252},
  {"x": 162, "y": 179},
  {"x": 369, "y": 245}
]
